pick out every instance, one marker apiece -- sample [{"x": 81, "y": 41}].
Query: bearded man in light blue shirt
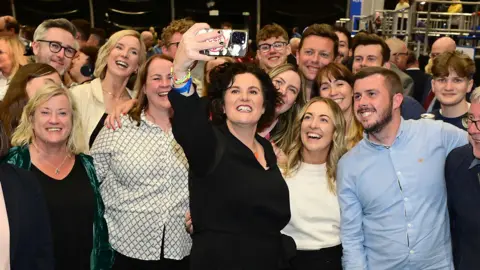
[{"x": 391, "y": 185}]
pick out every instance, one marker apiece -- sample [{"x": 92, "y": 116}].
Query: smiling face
[
  {"x": 372, "y": 103},
  {"x": 317, "y": 128},
  {"x": 316, "y": 52},
  {"x": 288, "y": 85},
  {"x": 339, "y": 90},
  {"x": 36, "y": 83},
  {"x": 243, "y": 101},
  {"x": 343, "y": 49},
  {"x": 52, "y": 121},
  {"x": 276, "y": 55},
  {"x": 473, "y": 131},
  {"x": 158, "y": 84},
  {"x": 451, "y": 90},
  {"x": 58, "y": 60},
  {"x": 6, "y": 63},
  {"x": 123, "y": 59},
  {"x": 367, "y": 56}
]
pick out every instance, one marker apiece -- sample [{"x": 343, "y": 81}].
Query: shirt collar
[
  {"x": 475, "y": 162},
  {"x": 397, "y": 137}
]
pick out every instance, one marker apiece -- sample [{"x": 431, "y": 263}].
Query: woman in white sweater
[{"x": 318, "y": 144}]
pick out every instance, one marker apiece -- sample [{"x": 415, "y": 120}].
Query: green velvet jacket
[{"x": 102, "y": 256}]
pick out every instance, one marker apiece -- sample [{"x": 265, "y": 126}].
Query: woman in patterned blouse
[{"x": 144, "y": 175}]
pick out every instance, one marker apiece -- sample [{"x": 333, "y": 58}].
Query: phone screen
[{"x": 235, "y": 43}]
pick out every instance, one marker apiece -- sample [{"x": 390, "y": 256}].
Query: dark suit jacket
[
  {"x": 30, "y": 236},
  {"x": 407, "y": 81},
  {"x": 422, "y": 84},
  {"x": 463, "y": 190}
]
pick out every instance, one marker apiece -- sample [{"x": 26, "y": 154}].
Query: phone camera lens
[{"x": 238, "y": 38}]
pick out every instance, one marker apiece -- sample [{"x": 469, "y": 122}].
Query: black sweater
[{"x": 238, "y": 208}]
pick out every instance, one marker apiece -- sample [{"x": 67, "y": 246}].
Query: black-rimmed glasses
[
  {"x": 173, "y": 43},
  {"x": 55, "y": 47},
  {"x": 467, "y": 120},
  {"x": 265, "y": 47}
]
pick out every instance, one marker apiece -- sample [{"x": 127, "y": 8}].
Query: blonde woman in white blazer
[{"x": 117, "y": 60}]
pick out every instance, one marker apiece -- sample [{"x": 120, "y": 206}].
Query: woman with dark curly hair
[{"x": 239, "y": 201}]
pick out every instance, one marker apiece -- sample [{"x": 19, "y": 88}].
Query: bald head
[
  {"x": 441, "y": 45},
  {"x": 147, "y": 38},
  {"x": 398, "y": 52},
  {"x": 294, "y": 43}
]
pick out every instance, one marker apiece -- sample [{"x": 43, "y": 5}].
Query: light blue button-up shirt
[{"x": 393, "y": 199}]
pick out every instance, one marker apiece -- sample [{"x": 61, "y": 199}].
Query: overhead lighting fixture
[
  {"x": 210, "y": 4},
  {"x": 213, "y": 12}
]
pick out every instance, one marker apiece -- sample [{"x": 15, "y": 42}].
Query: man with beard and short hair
[
  {"x": 391, "y": 185},
  {"x": 273, "y": 46},
  {"x": 54, "y": 44},
  {"x": 318, "y": 48},
  {"x": 462, "y": 177}
]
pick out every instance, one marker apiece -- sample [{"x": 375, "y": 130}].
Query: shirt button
[
  {"x": 411, "y": 251},
  {"x": 399, "y": 173},
  {"x": 406, "y": 199},
  {"x": 409, "y": 225}
]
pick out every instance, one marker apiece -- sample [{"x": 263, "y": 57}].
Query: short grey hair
[
  {"x": 475, "y": 96},
  {"x": 61, "y": 23}
]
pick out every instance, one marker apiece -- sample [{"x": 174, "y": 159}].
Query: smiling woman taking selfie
[{"x": 238, "y": 199}]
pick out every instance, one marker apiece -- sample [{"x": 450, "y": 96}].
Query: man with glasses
[
  {"x": 172, "y": 35},
  {"x": 398, "y": 53},
  {"x": 462, "y": 177},
  {"x": 54, "y": 44},
  {"x": 452, "y": 80},
  {"x": 318, "y": 48},
  {"x": 273, "y": 47}
]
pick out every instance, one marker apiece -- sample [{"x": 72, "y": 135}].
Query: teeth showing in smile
[
  {"x": 313, "y": 135},
  {"x": 244, "y": 108},
  {"x": 162, "y": 94},
  {"x": 338, "y": 100},
  {"x": 366, "y": 114},
  {"x": 121, "y": 64},
  {"x": 54, "y": 129}
]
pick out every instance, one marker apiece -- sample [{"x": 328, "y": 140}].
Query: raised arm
[{"x": 190, "y": 124}]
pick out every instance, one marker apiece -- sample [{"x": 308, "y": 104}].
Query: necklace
[
  {"x": 57, "y": 169},
  {"x": 113, "y": 95}
]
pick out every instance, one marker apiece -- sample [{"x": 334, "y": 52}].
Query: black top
[
  {"x": 97, "y": 130},
  {"x": 456, "y": 121},
  {"x": 238, "y": 208},
  {"x": 70, "y": 204},
  {"x": 463, "y": 190},
  {"x": 30, "y": 239},
  {"x": 422, "y": 84}
]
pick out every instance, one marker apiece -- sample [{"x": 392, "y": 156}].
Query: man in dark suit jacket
[
  {"x": 422, "y": 80},
  {"x": 30, "y": 235},
  {"x": 462, "y": 177}
]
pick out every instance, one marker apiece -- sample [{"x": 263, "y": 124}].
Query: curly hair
[
  {"x": 225, "y": 77},
  {"x": 177, "y": 26}
]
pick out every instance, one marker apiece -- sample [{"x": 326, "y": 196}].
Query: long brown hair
[
  {"x": 142, "y": 101},
  {"x": 16, "y": 97}
]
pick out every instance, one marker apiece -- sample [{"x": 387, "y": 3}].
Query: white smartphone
[{"x": 235, "y": 43}]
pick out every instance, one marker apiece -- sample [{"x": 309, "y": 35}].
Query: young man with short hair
[
  {"x": 318, "y": 48},
  {"x": 273, "y": 46},
  {"x": 172, "y": 35},
  {"x": 452, "y": 80},
  {"x": 391, "y": 185}
]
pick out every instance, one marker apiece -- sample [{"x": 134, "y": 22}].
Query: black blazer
[
  {"x": 463, "y": 190},
  {"x": 31, "y": 245}
]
